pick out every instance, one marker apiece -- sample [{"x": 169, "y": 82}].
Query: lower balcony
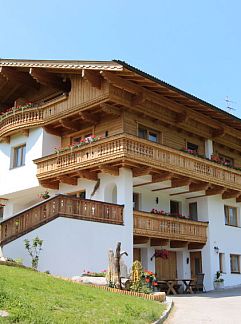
[{"x": 162, "y": 229}]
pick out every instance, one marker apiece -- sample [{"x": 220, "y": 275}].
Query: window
[
  {"x": 231, "y": 217},
  {"x": 136, "y": 200},
  {"x": 193, "y": 211},
  {"x": 222, "y": 262},
  {"x": 19, "y": 153},
  {"x": 77, "y": 139},
  {"x": 192, "y": 147},
  {"x": 174, "y": 207},
  {"x": 147, "y": 133},
  {"x": 1, "y": 213},
  {"x": 226, "y": 160},
  {"x": 235, "y": 263}
]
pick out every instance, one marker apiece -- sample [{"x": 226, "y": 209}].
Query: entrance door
[
  {"x": 166, "y": 268},
  {"x": 196, "y": 263}
]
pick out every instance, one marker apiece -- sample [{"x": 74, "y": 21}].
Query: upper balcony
[{"x": 144, "y": 157}]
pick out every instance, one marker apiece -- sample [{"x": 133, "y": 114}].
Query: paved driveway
[{"x": 222, "y": 307}]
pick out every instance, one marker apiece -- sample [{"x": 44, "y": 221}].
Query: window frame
[
  {"x": 190, "y": 216},
  {"x": 81, "y": 134},
  {"x": 221, "y": 259},
  {"x": 227, "y": 215},
  {"x": 192, "y": 144},
  {"x": 225, "y": 158},
  {"x": 14, "y": 163},
  {"x": 179, "y": 207},
  {"x": 231, "y": 270},
  {"x": 148, "y": 131}
]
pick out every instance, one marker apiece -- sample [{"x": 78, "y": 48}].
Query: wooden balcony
[
  {"x": 59, "y": 206},
  {"x": 136, "y": 152},
  {"x": 169, "y": 228},
  {"x": 43, "y": 114}
]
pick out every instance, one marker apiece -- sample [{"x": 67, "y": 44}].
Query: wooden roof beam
[
  {"x": 170, "y": 104},
  {"x": 163, "y": 176},
  {"x": 218, "y": 132},
  {"x": 158, "y": 242},
  {"x": 138, "y": 99},
  {"x": 193, "y": 187},
  {"x": 195, "y": 246},
  {"x": 68, "y": 180},
  {"x": 88, "y": 117},
  {"x": 88, "y": 175},
  {"x": 74, "y": 126},
  {"x": 50, "y": 184},
  {"x": 216, "y": 190},
  {"x": 178, "y": 244},
  {"x": 181, "y": 117},
  {"x": 181, "y": 182},
  {"x": 111, "y": 110},
  {"x": 18, "y": 77},
  {"x": 51, "y": 130},
  {"x": 138, "y": 172},
  {"x": 231, "y": 194},
  {"x": 94, "y": 78},
  {"x": 50, "y": 80},
  {"x": 140, "y": 240},
  {"x": 109, "y": 169}
]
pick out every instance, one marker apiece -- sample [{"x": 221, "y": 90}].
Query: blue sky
[{"x": 193, "y": 45}]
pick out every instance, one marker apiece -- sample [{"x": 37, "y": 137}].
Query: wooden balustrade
[
  {"x": 40, "y": 114},
  {"x": 142, "y": 152},
  {"x": 166, "y": 227},
  {"x": 59, "y": 206}
]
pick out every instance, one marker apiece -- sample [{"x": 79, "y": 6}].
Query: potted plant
[
  {"x": 45, "y": 195},
  {"x": 218, "y": 281}
]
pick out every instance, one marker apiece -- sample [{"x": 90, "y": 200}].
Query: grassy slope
[{"x": 32, "y": 297}]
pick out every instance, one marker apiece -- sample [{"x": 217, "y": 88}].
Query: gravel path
[{"x": 223, "y": 307}]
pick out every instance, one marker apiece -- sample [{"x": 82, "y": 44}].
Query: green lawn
[{"x": 32, "y": 297}]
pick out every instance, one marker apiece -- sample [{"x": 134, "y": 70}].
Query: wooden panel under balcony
[
  {"x": 169, "y": 228},
  {"x": 127, "y": 150},
  {"x": 59, "y": 206}
]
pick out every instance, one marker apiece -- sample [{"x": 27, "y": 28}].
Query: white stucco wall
[
  {"x": 226, "y": 238},
  {"x": 38, "y": 143},
  {"x": 72, "y": 246}
]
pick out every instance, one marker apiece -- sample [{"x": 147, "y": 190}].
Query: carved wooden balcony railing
[
  {"x": 141, "y": 152},
  {"x": 59, "y": 206},
  {"x": 42, "y": 114},
  {"x": 166, "y": 227}
]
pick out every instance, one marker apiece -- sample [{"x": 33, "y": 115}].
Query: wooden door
[
  {"x": 137, "y": 254},
  {"x": 196, "y": 263},
  {"x": 166, "y": 268}
]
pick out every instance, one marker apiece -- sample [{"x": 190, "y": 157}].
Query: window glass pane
[
  {"x": 1, "y": 213},
  {"x": 191, "y": 146},
  {"x": 142, "y": 133},
  {"x": 232, "y": 216},
  {"x": 193, "y": 211},
  {"x": 152, "y": 137},
  {"x": 174, "y": 207},
  {"x": 234, "y": 263},
  {"x": 23, "y": 155},
  {"x": 19, "y": 156}
]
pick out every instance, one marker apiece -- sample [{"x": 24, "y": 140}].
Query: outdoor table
[
  {"x": 170, "y": 285},
  {"x": 187, "y": 285}
]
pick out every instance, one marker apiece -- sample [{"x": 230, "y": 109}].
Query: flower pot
[{"x": 218, "y": 285}]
